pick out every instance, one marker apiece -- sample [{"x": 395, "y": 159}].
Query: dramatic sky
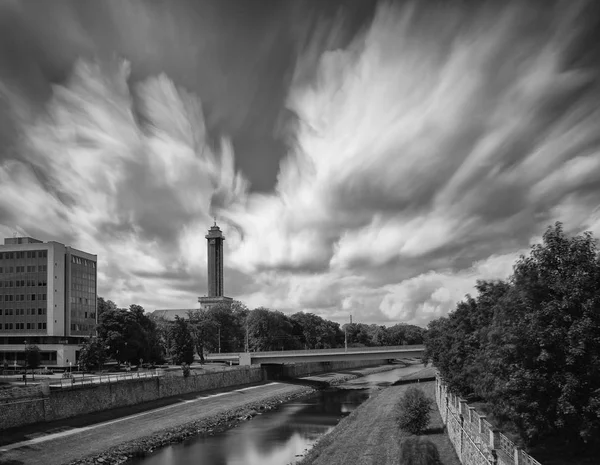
[{"x": 362, "y": 158}]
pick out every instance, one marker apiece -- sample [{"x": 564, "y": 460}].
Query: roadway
[{"x": 320, "y": 355}]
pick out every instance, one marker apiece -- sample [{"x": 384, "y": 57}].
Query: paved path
[{"x": 76, "y": 442}]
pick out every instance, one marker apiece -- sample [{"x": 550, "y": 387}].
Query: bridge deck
[{"x": 318, "y": 355}]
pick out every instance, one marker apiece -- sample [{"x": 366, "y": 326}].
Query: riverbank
[
  {"x": 370, "y": 434},
  {"x": 118, "y": 440}
]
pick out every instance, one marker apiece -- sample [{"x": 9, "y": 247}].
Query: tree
[
  {"x": 544, "y": 347},
  {"x": 182, "y": 343},
  {"x": 32, "y": 358},
  {"x": 92, "y": 354},
  {"x": 129, "y": 335},
  {"x": 105, "y": 305},
  {"x": 204, "y": 331},
  {"x": 414, "y": 411},
  {"x": 229, "y": 319},
  {"x": 530, "y": 346},
  {"x": 269, "y": 330}
]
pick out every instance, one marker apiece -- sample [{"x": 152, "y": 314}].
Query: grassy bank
[{"x": 370, "y": 435}]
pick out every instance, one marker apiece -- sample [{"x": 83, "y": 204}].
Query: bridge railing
[{"x": 337, "y": 350}]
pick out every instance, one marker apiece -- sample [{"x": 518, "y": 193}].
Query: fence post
[
  {"x": 480, "y": 430},
  {"x": 471, "y": 410},
  {"x": 494, "y": 439},
  {"x": 517, "y": 457},
  {"x": 447, "y": 409},
  {"x": 462, "y": 420}
]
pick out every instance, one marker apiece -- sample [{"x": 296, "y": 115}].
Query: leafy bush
[
  {"x": 418, "y": 451},
  {"x": 415, "y": 409},
  {"x": 186, "y": 369}
]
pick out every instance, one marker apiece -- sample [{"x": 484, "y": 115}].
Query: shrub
[
  {"x": 419, "y": 451},
  {"x": 186, "y": 369},
  {"x": 415, "y": 409}
]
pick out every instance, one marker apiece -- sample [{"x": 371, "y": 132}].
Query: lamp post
[
  {"x": 219, "y": 331},
  {"x": 247, "y": 340},
  {"x": 25, "y": 375}
]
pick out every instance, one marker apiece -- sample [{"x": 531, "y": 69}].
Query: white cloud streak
[{"x": 432, "y": 139}]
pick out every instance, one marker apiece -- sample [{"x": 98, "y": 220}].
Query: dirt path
[{"x": 370, "y": 435}]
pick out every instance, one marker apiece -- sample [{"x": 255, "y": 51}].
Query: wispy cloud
[{"x": 427, "y": 153}]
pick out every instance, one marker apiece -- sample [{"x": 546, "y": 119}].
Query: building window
[
  {"x": 0, "y": 326},
  {"x": 8, "y": 298},
  {"x": 20, "y": 254},
  {"x": 0, "y": 269},
  {"x": 42, "y": 268},
  {"x": 0, "y": 312}
]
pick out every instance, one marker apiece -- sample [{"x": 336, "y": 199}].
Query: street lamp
[{"x": 25, "y": 375}]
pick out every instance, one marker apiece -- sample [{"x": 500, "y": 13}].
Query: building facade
[
  {"x": 47, "y": 298},
  {"x": 216, "y": 287}
]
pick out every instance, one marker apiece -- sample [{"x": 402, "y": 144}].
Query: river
[{"x": 277, "y": 437}]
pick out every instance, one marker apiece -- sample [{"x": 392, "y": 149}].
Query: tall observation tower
[{"x": 215, "y": 296}]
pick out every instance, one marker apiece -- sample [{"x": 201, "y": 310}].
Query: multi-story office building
[{"x": 47, "y": 298}]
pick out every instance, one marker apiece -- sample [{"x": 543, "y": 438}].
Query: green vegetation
[
  {"x": 182, "y": 348},
  {"x": 32, "y": 358},
  {"x": 92, "y": 354},
  {"x": 415, "y": 411},
  {"x": 130, "y": 335},
  {"x": 418, "y": 451},
  {"x": 530, "y": 347}
]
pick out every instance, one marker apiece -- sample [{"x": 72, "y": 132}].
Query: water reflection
[{"x": 277, "y": 437}]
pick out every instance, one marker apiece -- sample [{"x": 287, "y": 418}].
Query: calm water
[{"x": 277, "y": 437}]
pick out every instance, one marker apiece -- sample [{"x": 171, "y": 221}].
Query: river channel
[{"x": 278, "y": 437}]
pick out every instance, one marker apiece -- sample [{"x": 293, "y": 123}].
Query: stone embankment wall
[
  {"x": 82, "y": 400},
  {"x": 475, "y": 440}
]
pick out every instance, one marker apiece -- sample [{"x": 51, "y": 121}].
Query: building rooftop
[
  {"x": 170, "y": 314},
  {"x": 21, "y": 240}
]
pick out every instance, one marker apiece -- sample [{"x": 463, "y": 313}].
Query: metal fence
[
  {"x": 106, "y": 378},
  {"x": 327, "y": 351},
  {"x": 478, "y": 431}
]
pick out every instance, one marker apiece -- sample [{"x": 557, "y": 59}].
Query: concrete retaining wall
[
  {"x": 296, "y": 370},
  {"x": 82, "y": 400},
  {"x": 70, "y": 402}
]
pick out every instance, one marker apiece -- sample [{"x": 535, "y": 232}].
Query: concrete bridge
[{"x": 320, "y": 355}]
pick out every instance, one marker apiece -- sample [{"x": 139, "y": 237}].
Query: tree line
[
  {"x": 134, "y": 336},
  {"x": 530, "y": 346}
]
